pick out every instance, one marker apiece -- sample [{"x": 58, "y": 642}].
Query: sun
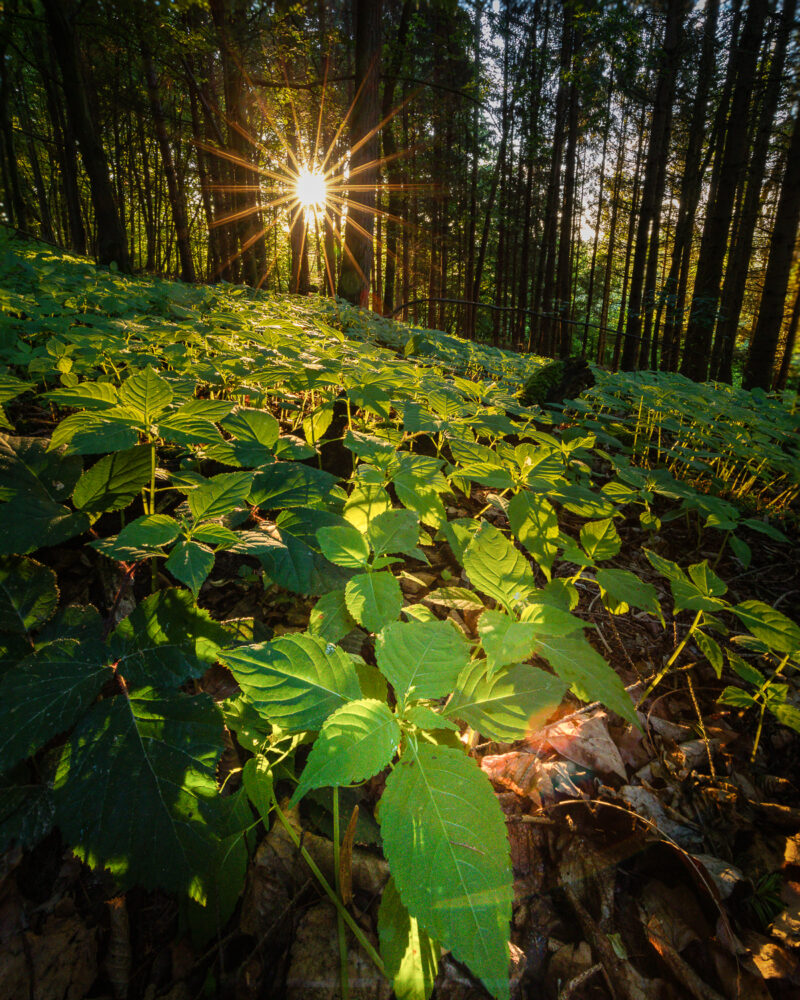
[{"x": 311, "y": 190}]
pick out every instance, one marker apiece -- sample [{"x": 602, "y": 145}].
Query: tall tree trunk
[
  {"x": 176, "y": 198},
  {"x": 565, "y": 241},
  {"x": 653, "y": 185},
  {"x": 705, "y": 295},
  {"x": 596, "y": 240},
  {"x": 354, "y": 279},
  {"x": 612, "y": 242},
  {"x": 393, "y": 169},
  {"x": 469, "y": 275},
  {"x": 788, "y": 347},
  {"x": 111, "y": 241},
  {"x": 739, "y": 258},
  {"x": 689, "y": 197},
  {"x": 543, "y": 300},
  {"x": 764, "y": 342}
]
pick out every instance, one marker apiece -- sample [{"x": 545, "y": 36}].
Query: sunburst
[{"x": 312, "y": 186}]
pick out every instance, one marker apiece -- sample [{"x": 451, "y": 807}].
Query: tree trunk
[
  {"x": 176, "y": 200},
  {"x": 739, "y": 258},
  {"x": 111, "y": 241},
  {"x": 788, "y": 349},
  {"x": 653, "y": 185},
  {"x": 705, "y": 295},
  {"x": 354, "y": 279},
  {"x": 764, "y": 342}
]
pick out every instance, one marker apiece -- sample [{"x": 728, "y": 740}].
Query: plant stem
[
  {"x": 337, "y": 876},
  {"x": 329, "y": 892},
  {"x": 665, "y": 669}
]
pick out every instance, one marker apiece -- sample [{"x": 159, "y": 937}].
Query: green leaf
[
  {"x": 365, "y": 503},
  {"x": 253, "y": 426},
  {"x": 257, "y": 780},
  {"x": 148, "y": 531},
  {"x": 289, "y": 484},
  {"x": 220, "y": 495},
  {"x": 411, "y": 958},
  {"x": 457, "y": 880},
  {"x": 97, "y": 433},
  {"x": 135, "y": 788},
  {"x": 357, "y": 741},
  {"x": 706, "y": 580},
  {"x": 343, "y": 545},
  {"x": 711, "y": 650},
  {"x": 46, "y": 694},
  {"x": 423, "y": 500},
  {"x": 28, "y": 595},
  {"x": 424, "y": 717},
  {"x": 187, "y": 428},
  {"x": 394, "y": 531},
  {"x": 508, "y": 706},
  {"x": 295, "y": 681},
  {"x": 600, "y": 539},
  {"x": 666, "y": 567},
  {"x": 549, "y": 619},
  {"x": 27, "y": 813},
  {"x": 504, "y": 639},
  {"x": 291, "y": 562},
  {"x": 788, "y": 715},
  {"x": 190, "y": 562},
  {"x": 625, "y": 588},
  {"x": 746, "y": 670},
  {"x": 86, "y": 396},
  {"x": 687, "y": 595},
  {"x": 215, "y": 534},
  {"x": 28, "y": 469},
  {"x": 496, "y": 568},
  {"x": 166, "y": 640},
  {"x": 114, "y": 481},
  {"x": 535, "y": 524},
  {"x": 736, "y": 697},
  {"x": 780, "y": 633},
  {"x": 330, "y": 619},
  {"x": 741, "y": 550},
  {"x": 146, "y": 394},
  {"x": 374, "y": 599},
  {"x": 589, "y": 676},
  {"x": 33, "y": 522},
  {"x": 421, "y": 659}
]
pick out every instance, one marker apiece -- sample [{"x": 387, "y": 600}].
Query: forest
[{"x": 399, "y": 499}]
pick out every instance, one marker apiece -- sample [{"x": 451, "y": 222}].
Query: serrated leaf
[
  {"x": 394, "y": 531},
  {"x": 589, "y": 676},
  {"x": 28, "y": 594},
  {"x": 421, "y": 659},
  {"x": 147, "y": 394},
  {"x": 505, "y": 640},
  {"x": 289, "y": 484},
  {"x": 97, "y": 433},
  {"x": 507, "y": 706},
  {"x": 374, "y": 599},
  {"x": 27, "y": 468},
  {"x": 114, "y": 481},
  {"x": 746, "y": 670},
  {"x": 46, "y": 693},
  {"x": 711, "y": 650},
  {"x": 600, "y": 539},
  {"x": 770, "y": 626},
  {"x": 686, "y": 595},
  {"x": 27, "y": 813},
  {"x": 666, "y": 567},
  {"x": 423, "y": 500},
  {"x": 220, "y": 495},
  {"x": 86, "y": 395},
  {"x": 257, "y": 780},
  {"x": 190, "y": 562},
  {"x": 357, "y": 741},
  {"x": 295, "y": 681},
  {"x": 291, "y": 562},
  {"x": 457, "y": 880},
  {"x": 496, "y": 568},
  {"x": 166, "y": 640},
  {"x": 706, "y": 580},
  {"x": 215, "y": 534},
  {"x": 365, "y": 503},
  {"x": 33, "y": 522},
  {"x": 625, "y": 588},
  {"x": 148, "y": 531},
  {"x": 411, "y": 958},
  {"x": 256, "y": 427},
  {"x": 424, "y": 717},
  {"x": 330, "y": 619},
  {"x": 344, "y": 546},
  {"x": 535, "y": 524},
  {"x": 547, "y": 619},
  {"x": 736, "y": 697},
  {"x": 132, "y": 785}
]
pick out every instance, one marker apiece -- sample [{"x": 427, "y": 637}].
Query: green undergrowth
[{"x": 176, "y": 440}]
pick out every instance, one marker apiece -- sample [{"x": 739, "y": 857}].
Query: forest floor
[{"x": 658, "y": 861}]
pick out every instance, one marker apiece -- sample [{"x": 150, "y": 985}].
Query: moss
[{"x": 541, "y": 383}]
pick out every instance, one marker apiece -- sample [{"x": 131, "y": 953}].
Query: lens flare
[{"x": 311, "y": 190}]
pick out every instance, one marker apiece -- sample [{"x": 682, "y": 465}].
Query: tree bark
[
  {"x": 706, "y": 292},
  {"x": 354, "y": 280},
  {"x": 653, "y": 185},
  {"x": 764, "y": 342}
]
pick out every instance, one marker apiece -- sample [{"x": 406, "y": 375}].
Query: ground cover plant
[{"x": 272, "y": 565}]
